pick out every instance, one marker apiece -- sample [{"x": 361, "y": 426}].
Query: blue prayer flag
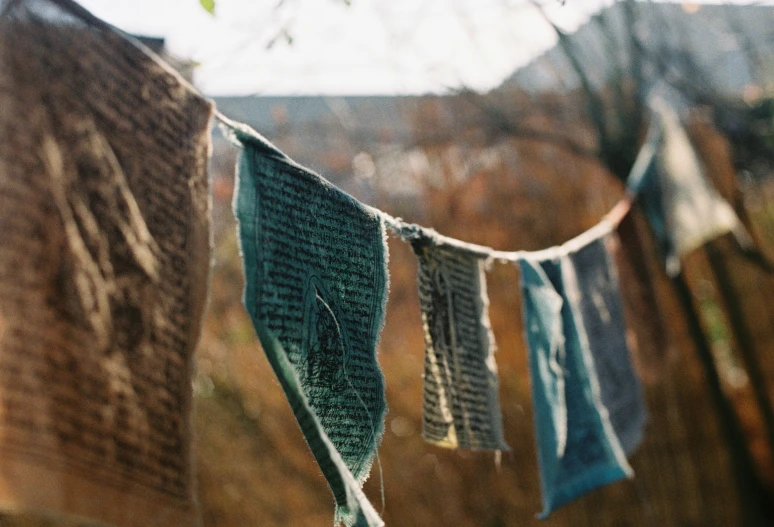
[
  {"x": 600, "y": 309},
  {"x": 578, "y": 450}
]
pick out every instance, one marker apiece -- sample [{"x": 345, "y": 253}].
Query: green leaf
[{"x": 208, "y": 5}]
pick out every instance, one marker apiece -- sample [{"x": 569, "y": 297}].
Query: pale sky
[{"x": 366, "y": 47}]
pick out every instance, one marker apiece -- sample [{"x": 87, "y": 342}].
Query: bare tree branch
[{"x": 595, "y": 103}]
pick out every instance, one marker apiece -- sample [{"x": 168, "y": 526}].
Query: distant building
[
  {"x": 729, "y": 44},
  {"x": 158, "y": 45}
]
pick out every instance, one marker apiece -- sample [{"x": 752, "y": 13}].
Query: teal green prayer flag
[
  {"x": 315, "y": 265},
  {"x": 352, "y": 506}
]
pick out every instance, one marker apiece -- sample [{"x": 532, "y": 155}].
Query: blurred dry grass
[{"x": 253, "y": 465}]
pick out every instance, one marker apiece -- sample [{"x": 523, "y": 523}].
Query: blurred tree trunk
[
  {"x": 743, "y": 337},
  {"x": 757, "y": 502},
  {"x": 754, "y": 496}
]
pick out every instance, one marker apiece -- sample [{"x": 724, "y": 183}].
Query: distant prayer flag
[{"x": 682, "y": 207}]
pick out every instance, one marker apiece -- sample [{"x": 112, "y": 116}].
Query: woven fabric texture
[
  {"x": 316, "y": 269},
  {"x": 104, "y": 262},
  {"x": 578, "y": 449},
  {"x": 461, "y": 401}
]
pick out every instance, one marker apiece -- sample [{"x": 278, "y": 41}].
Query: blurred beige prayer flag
[
  {"x": 683, "y": 208},
  {"x": 104, "y": 263}
]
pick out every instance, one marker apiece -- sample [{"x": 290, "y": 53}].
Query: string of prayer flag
[{"x": 104, "y": 218}]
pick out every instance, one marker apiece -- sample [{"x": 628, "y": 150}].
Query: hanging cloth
[
  {"x": 598, "y": 304},
  {"x": 682, "y": 207},
  {"x": 104, "y": 267},
  {"x": 578, "y": 449},
  {"x": 461, "y": 402},
  {"x": 315, "y": 264}
]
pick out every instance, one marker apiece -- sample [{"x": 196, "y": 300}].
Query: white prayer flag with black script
[{"x": 461, "y": 402}]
